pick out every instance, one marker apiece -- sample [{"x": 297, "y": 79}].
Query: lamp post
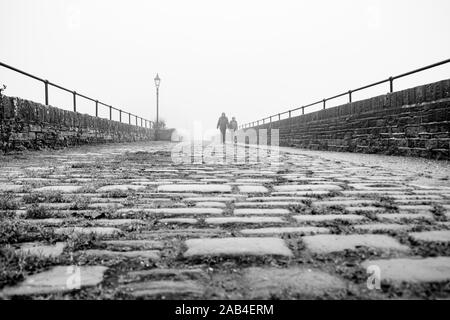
[{"x": 157, "y": 81}]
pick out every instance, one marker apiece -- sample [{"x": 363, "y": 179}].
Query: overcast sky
[{"x": 249, "y": 59}]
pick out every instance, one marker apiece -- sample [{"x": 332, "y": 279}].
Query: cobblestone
[
  {"x": 254, "y": 220},
  {"x": 120, "y": 188},
  {"x": 252, "y": 189},
  {"x": 381, "y": 227},
  {"x": 163, "y": 288},
  {"x": 431, "y": 236},
  {"x": 305, "y": 225},
  {"x": 413, "y": 269},
  {"x": 300, "y": 230},
  {"x": 101, "y": 231},
  {"x": 309, "y": 187},
  {"x": 237, "y": 246},
  {"x": 328, "y": 217},
  {"x": 207, "y": 188},
  {"x": 57, "y": 280},
  {"x": 63, "y": 189},
  {"x": 259, "y": 211},
  {"x": 332, "y": 243},
  {"x": 144, "y": 254},
  {"x": 267, "y": 283},
  {"x": 40, "y": 249}
]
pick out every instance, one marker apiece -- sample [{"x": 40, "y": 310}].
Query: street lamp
[{"x": 157, "y": 81}]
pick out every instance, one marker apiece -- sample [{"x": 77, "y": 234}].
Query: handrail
[
  {"x": 143, "y": 122},
  {"x": 349, "y": 93}
]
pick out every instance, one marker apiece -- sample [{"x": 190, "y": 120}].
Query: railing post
[
  {"x": 391, "y": 84},
  {"x": 120, "y": 115},
  {"x": 289, "y": 113},
  {"x": 279, "y": 117},
  {"x": 136, "y": 120},
  {"x": 129, "y": 118},
  {"x": 324, "y": 100},
  {"x": 270, "y": 119},
  {"x": 350, "y": 96},
  {"x": 303, "y": 110},
  {"x": 141, "y": 122},
  {"x": 74, "y": 101},
  {"x": 96, "y": 108},
  {"x": 46, "y": 92},
  {"x": 110, "y": 112}
]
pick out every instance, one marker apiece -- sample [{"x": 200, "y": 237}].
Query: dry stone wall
[{"x": 26, "y": 124}]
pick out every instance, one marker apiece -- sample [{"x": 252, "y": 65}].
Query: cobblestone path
[{"x": 124, "y": 222}]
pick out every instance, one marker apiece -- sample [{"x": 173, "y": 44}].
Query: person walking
[
  {"x": 233, "y": 128},
  {"x": 223, "y": 124}
]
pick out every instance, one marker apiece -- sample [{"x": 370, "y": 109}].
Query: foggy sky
[{"x": 249, "y": 59}]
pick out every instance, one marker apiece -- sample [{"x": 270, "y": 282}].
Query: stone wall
[
  {"x": 165, "y": 134},
  {"x": 412, "y": 122},
  {"x": 26, "y": 124}
]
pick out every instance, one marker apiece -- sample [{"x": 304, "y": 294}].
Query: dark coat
[
  {"x": 233, "y": 125},
  {"x": 222, "y": 123}
]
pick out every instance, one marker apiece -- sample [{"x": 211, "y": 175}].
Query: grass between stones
[
  {"x": 14, "y": 231},
  {"x": 37, "y": 212},
  {"x": 41, "y": 197},
  {"x": 15, "y": 265},
  {"x": 82, "y": 241},
  {"x": 221, "y": 276},
  {"x": 7, "y": 202},
  {"x": 80, "y": 203}
]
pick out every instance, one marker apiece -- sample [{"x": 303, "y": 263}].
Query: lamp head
[{"x": 157, "y": 81}]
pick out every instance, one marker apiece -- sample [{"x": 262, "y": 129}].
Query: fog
[{"x": 249, "y": 59}]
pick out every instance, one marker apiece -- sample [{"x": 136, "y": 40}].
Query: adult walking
[
  {"x": 223, "y": 124},
  {"x": 233, "y": 129}
]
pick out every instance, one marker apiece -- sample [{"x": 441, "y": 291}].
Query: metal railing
[
  {"x": 349, "y": 93},
  {"x": 142, "y": 122}
]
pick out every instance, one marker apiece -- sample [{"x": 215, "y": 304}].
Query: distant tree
[{"x": 161, "y": 124}]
